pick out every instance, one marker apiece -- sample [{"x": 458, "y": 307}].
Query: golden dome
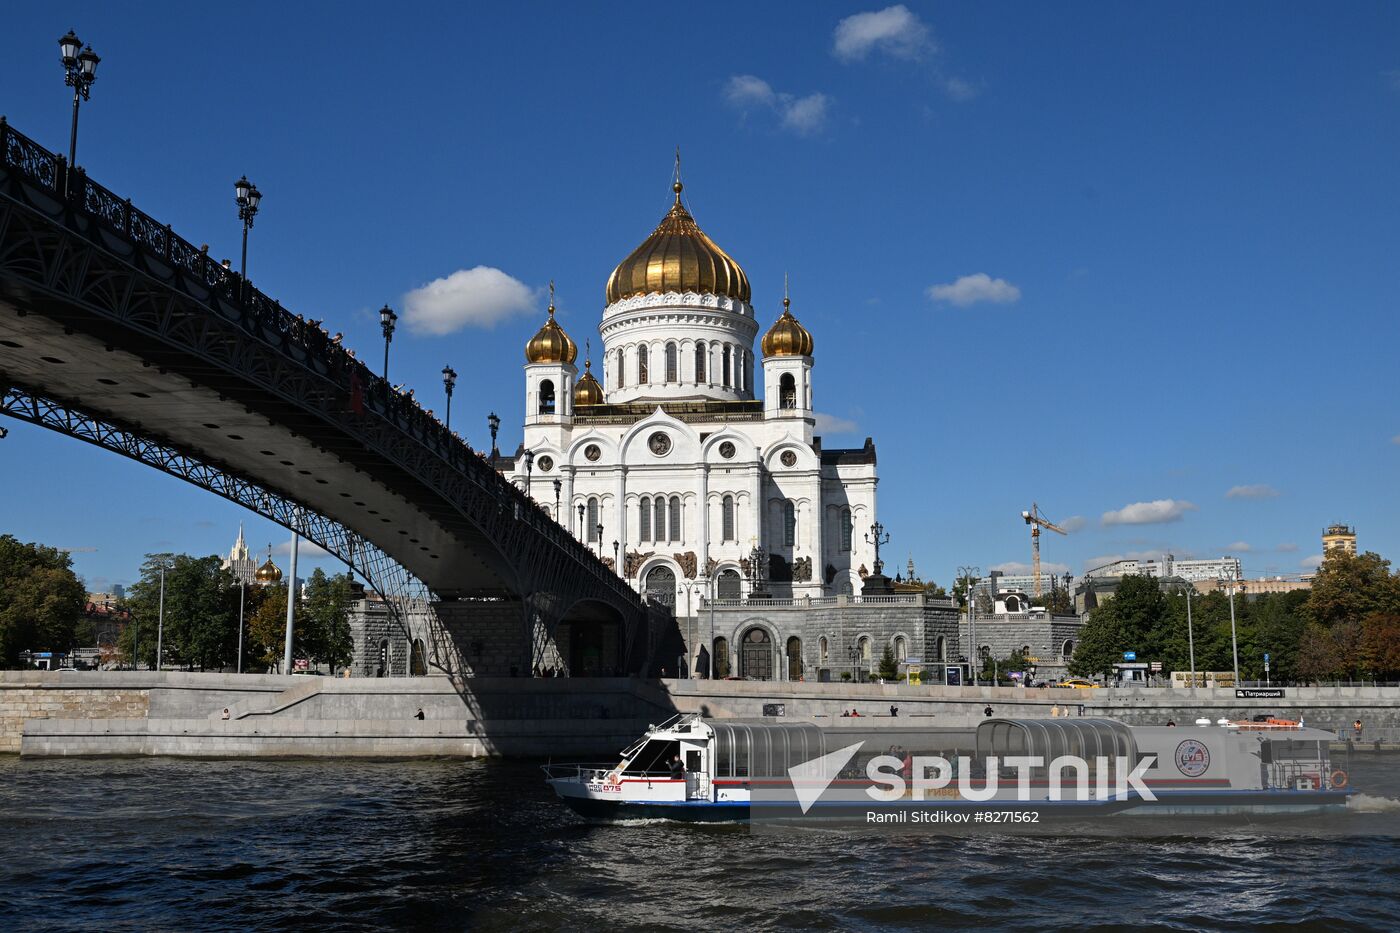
[
  {"x": 551, "y": 344},
  {"x": 787, "y": 337},
  {"x": 268, "y": 573},
  {"x": 588, "y": 392},
  {"x": 678, "y": 257}
]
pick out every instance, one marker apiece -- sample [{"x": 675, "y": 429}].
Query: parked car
[{"x": 1078, "y": 683}]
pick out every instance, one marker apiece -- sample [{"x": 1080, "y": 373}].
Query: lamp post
[
  {"x": 580, "y": 521},
  {"x": 691, "y": 587},
  {"x": 449, "y": 379},
  {"x": 617, "y": 556},
  {"x": 711, "y": 672},
  {"x": 160, "y": 618},
  {"x": 247, "y": 196},
  {"x": 79, "y": 71},
  {"x": 558, "y": 485},
  {"x": 1227, "y": 579},
  {"x": 291, "y": 604},
  {"x": 969, "y": 575},
  {"x": 387, "y": 319},
  {"x": 877, "y": 530},
  {"x": 599, "y": 528},
  {"x": 494, "y": 423},
  {"x": 1190, "y": 635},
  {"x": 242, "y": 584},
  {"x": 529, "y": 469}
]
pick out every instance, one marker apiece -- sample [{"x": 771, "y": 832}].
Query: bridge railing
[{"x": 305, "y": 340}]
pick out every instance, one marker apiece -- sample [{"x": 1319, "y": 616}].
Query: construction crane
[{"x": 1038, "y": 521}]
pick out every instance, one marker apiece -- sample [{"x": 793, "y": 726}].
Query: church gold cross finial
[
  {"x": 786, "y": 300},
  {"x": 677, "y": 187},
  {"x": 551, "y": 297}
]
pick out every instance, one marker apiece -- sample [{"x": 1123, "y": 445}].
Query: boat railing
[{"x": 590, "y": 771}]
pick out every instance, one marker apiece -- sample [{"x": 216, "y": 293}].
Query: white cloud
[
  {"x": 959, "y": 90},
  {"x": 307, "y": 550},
  {"x": 478, "y": 297},
  {"x": 1240, "y": 547},
  {"x": 894, "y": 31},
  {"x": 1288, "y": 547},
  {"x": 1018, "y": 569},
  {"x": 972, "y": 289},
  {"x": 1255, "y": 491},
  {"x": 803, "y": 115},
  {"x": 1395, "y": 439},
  {"x": 1156, "y": 512},
  {"x": 1308, "y": 563},
  {"x": 1073, "y": 523},
  {"x": 831, "y": 424}
]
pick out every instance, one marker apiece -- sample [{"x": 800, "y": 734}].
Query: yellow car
[{"x": 1078, "y": 684}]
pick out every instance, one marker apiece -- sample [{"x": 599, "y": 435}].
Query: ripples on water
[{"x": 139, "y": 844}]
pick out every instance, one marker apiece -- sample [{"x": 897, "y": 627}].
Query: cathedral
[{"x": 669, "y": 461}]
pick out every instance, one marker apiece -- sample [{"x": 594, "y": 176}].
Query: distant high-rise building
[
  {"x": 1190, "y": 570},
  {"x": 1339, "y": 537},
  {"x": 240, "y": 562}
]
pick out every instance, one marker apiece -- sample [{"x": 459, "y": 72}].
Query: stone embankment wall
[{"x": 145, "y": 713}]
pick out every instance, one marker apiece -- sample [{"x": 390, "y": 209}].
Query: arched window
[
  {"x": 787, "y": 391},
  {"x": 593, "y": 519},
  {"x": 700, "y": 362},
  {"x": 739, "y": 380},
  {"x": 417, "y": 660},
  {"x": 661, "y": 586},
  {"x": 642, "y": 364},
  {"x": 621, "y": 377},
  {"x": 725, "y": 362},
  {"x": 644, "y": 519},
  {"x": 672, "y": 363},
  {"x": 847, "y": 531},
  {"x": 729, "y": 585},
  {"x": 1067, "y": 650},
  {"x": 789, "y": 523},
  {"x": 822, "y": 651},
  {"x": 901, "y": 648},
  {"x": 794, "y": 658},
  {"x": 941, "y": 649},
  {"x": 726, "y": 519},
  {"x": 547, "y": 397},
  {"x": 659, "y": 514},
  {"x": 675, "y": 519},
  {"x": 721, "y": 658}
]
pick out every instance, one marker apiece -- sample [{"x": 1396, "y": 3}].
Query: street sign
[
  {"x": 1259, "y": 693},
  {"x": 1129, "y": 655},
  {"x": 1156, "y": 665},
  {"x": 1266, "y": 657}
]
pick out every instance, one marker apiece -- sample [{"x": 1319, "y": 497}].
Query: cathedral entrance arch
[
  {"x": 756, "y": 655},
  {"x": 661, "y": 586}
]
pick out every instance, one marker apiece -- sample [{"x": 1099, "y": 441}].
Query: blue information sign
[{"x": 1129, "y": 655}]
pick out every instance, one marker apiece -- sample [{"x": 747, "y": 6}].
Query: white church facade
[{"x": 692, "y": 452}]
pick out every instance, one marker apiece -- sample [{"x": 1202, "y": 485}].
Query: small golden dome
[
  {"x": 268, "y": 573},
  {"x": 787, "y": 337},
  {"x": 678, "y": 257},
  {"x": 588, "y": 392},
  {"x": 551, "y": 344}
]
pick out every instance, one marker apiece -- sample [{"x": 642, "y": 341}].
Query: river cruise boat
[{"x": 692, "y": 768}]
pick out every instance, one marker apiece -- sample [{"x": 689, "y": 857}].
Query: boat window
[{"x": 654, "y": 758}]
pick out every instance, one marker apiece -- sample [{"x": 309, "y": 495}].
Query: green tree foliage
[
  {"x": 41, "y": 599},
  {"x": 1058, "y": 601},
  {"x": 1348, "y": 588},
  {"x": 201, "y": 612},
  {"x": 326, "y": 620},
  {"x": 889, "y": 670},
  {"x": 267, "y": 626}
]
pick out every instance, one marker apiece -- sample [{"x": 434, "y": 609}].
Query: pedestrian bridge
[{"x": 117, "y": 331}]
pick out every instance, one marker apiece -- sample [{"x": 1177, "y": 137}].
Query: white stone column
[
  {"x": 621, "y": 517},
  {"x": 566, "y": 500},
  {"x": 702, "y": 523},
  {"x": 814, "y": 534}
]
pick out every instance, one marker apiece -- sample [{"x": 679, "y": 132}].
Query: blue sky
[{"x": 1166, "y": 236}]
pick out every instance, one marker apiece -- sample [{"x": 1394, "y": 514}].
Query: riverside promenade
[{"x": 183, "y": 714}]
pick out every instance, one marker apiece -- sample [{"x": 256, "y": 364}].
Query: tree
[
  {"x": 324, "y": 629},
  {"x": 1318, "y": 657},
  {"x": 1350, "y": 587},
  {"x": 889, "y": 670},
  {"x": 41, "y": 599},
  {"x": 1058, "y": 601},
  {"x": 201, "y": 610},
  {"x": 934, "y": 591},
  {"x": 1099, "y": 644},
  {"x": 1380, "y": 645},
  {"x": 267, "y": 626}
]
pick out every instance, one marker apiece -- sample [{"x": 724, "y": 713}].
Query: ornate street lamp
[
  {"x": 79, "y": 71},
  {"x": 247, "y": 195},
  {"x": 494, "y": 423},
  {"x": 529, "y": 469},
  {"x": 557, "y": 487},
  {"x": 877, "y": 530},
  {"x": 617, "y": 568},
  {"x": 387, "y": 319},
  {"x": 580, "y": 521},
  {"x": 599, "y": 528},
  {"x": 449, "y": 380}
]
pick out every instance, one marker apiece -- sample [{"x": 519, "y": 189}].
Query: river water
[{"x": 173, "y": 844}]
